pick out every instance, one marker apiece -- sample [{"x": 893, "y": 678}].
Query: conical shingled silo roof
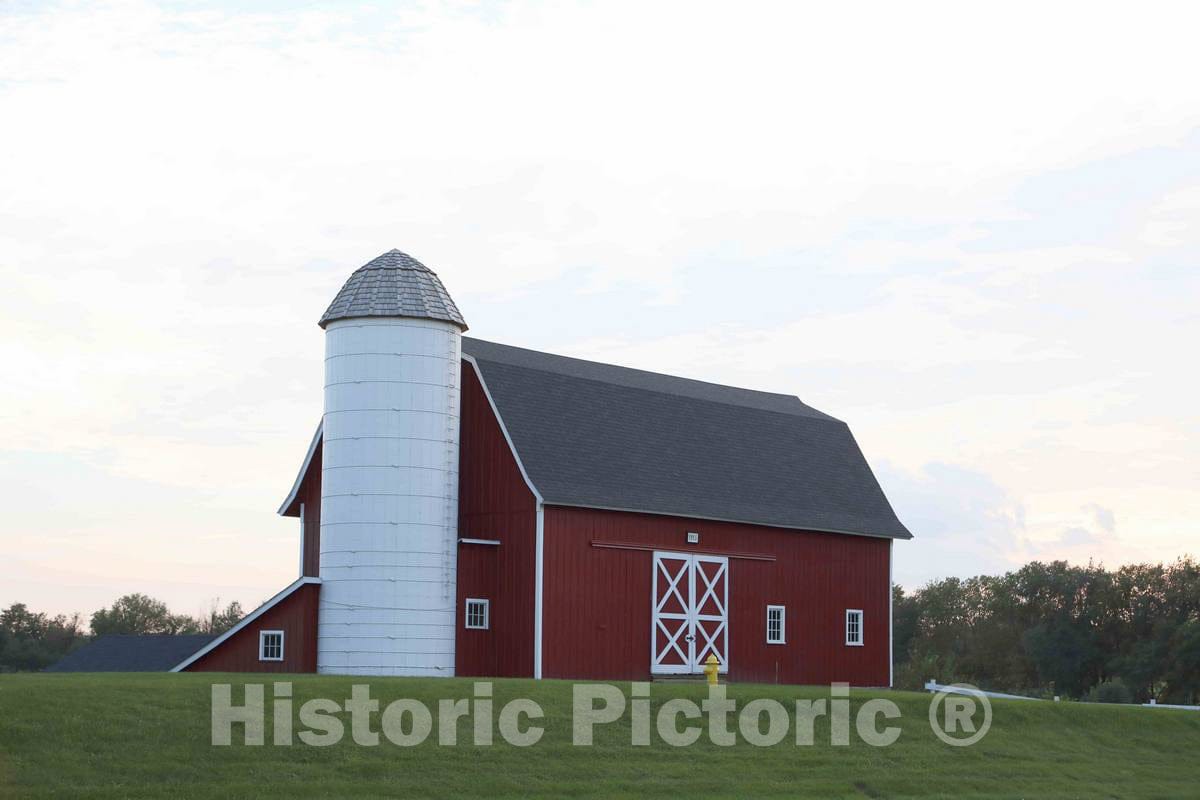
[{"x": 394, "y": 285}]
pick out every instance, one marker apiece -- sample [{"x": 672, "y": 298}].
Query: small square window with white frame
[
  {"x": 477, "y": 614},
  {"x": 270, "y": 645},
  {"x": 854, "y": 627},
  {"x": 775, "y": 624}
]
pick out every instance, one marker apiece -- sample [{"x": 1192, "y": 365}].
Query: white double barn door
[{"x": 690, "y": 619}]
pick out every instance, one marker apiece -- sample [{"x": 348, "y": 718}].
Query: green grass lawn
[{"x": 148, "y": 735}]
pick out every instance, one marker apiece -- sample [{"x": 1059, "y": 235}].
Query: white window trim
[
  {"x": 782, "y": 625},
  {"x": 861, "y": 637},
  {"x": 262, "y": 641},
  {"x": 487, "y": 614}
]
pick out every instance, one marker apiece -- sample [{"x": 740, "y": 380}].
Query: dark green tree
[
  {"x": 139, "y": 614},
  {"x": 218, "y": 621},
  {"x": 32, "y": 641}
]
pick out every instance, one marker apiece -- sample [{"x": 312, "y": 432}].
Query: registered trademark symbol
[{"x": 961, "y": 702}]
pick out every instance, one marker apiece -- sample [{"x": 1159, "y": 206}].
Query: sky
[{"x": 968, "y": 230}]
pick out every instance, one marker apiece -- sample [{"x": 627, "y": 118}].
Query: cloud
[
  {"x": 1076, "y": 536},
  {"x": 964, "y": 523},
  {"x": 78, "y": 535},
  {"x": 986, "y": 270},
  {"x": 1091, "y": 537},
  {"x": 1104, "y": 517}
]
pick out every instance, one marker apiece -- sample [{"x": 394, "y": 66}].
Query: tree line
[
  {"x": 31, "y": 641},
  {"x": 1081, "y": 632}
]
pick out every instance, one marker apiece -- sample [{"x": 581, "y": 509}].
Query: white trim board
[
  {"x": 538, "y": 580},
  {"x": 246, "y": 620}
]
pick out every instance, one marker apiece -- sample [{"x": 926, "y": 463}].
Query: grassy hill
[{"x": 148, "y": 735}]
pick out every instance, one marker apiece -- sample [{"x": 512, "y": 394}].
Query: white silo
[{"x": 389, "y": 481}]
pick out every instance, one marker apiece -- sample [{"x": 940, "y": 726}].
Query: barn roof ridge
[{"x": 647, "y": 380}]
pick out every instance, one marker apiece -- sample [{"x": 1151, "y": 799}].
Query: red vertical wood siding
[
  {"x": 494, "y": 503},
  {"x": 310, "y": 495},
  {"x": 597, "y": 601},
  {"x": 295, "y": 615}
]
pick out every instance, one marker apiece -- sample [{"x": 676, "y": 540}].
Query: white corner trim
[
  {"x": 312, "y": 448},
  {"x": 493, "y": 542},
  {"x": 537, "y": 591},
  {"x": 503, "y": 428},
  {"x": 249, "y": 618}
]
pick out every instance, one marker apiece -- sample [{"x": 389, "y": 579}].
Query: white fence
[
  {"x": 1153, "y": 704},
  {"x": 934, "y": 686}
]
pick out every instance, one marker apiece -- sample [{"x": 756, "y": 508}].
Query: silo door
[{"x": 690, "y": 613}]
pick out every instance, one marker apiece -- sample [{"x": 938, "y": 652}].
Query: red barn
[{"x": 476, "y": 509}]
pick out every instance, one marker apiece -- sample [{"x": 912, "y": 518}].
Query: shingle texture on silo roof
[{"x": 394, "y": 285}]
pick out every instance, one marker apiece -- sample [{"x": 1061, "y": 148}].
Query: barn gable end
[{"x": 496, "y": 554}]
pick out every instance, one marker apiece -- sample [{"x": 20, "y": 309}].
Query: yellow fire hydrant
[{"x": 711, "y": 666}]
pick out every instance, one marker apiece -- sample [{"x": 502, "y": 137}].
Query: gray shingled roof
[
  {"x": 393, "y": 285},
  {"x": 601, "y": 436},
  {"x": 145, "y": 653}
]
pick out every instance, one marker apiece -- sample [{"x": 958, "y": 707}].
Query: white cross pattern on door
[{"x": 690, "y": 615}]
